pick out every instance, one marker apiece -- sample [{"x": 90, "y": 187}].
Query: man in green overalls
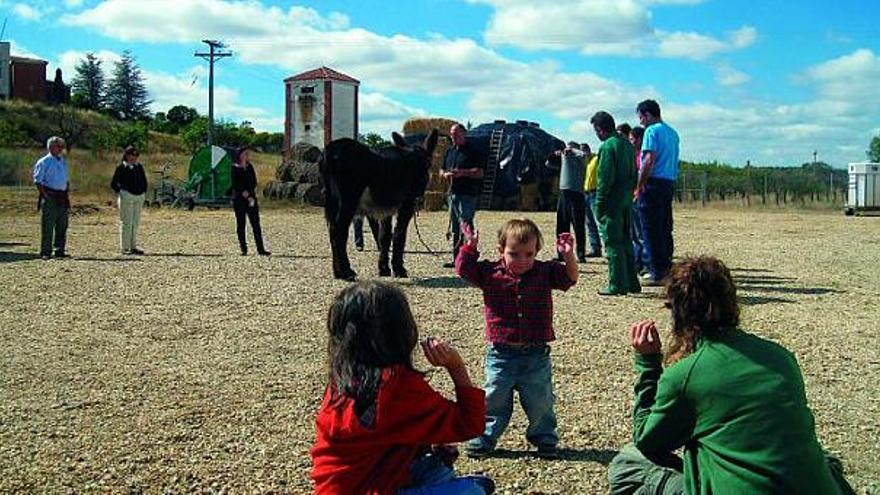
[{"x": 614, "y": 199}]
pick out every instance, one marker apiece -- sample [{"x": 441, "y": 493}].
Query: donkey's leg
[
  {"x": 384, "y": 246},
  {"x": 341, "y": 264},
  {"x": 404, "y": 215}
]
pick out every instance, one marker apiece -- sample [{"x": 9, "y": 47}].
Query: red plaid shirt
[{"x": 518, "y": 309}]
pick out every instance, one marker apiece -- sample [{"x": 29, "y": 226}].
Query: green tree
[
  {"x": 195, "y": 135},
  {"x": 127, "y": 95},
  {"x": 181, "y": 115},
  {"x": 874, "y": 149},
  {"x": 374, "y": 140},
  {"x": 88, "y": 83}
]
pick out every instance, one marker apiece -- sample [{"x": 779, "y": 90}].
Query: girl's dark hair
[
  {"x": 129, "y": 150},
  {"x": 371, "y": 327},
  {"x": 236, "y": 155},
  {"x": 702, "y": 296}
]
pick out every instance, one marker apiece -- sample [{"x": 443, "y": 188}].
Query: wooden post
[{"x": 703, "y": 186}]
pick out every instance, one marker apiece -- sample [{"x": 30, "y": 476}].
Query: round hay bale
[
  {"x": 298, "y": 171},
  {"x": 304, "y": 152},
  {"x": 269, "y": 189},
  {"x": 311, "y": 194}
]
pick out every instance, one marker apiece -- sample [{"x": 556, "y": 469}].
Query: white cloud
[
  {"x": 26, "y": 12},
  {"x": 21, "y": 51},
  {"x": 743, "y": 37},
  {"x": 726, "y": 75},
  {"x": 697, "y": 46},
  {"x": 593, "y": 26},
  {"x": 72, "y": 4},
  {"x": 688, "y": 45},
  {"x": 597, "y": 27}
]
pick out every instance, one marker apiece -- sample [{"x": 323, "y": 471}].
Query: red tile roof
[{"x": 322, "y": 73}]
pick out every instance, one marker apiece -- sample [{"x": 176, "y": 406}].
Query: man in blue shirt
[
  {"x": 51, "y": 179},
  {"x": 655, "y": 190}
]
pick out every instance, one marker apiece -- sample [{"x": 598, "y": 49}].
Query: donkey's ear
[
  {"x": 430, "y": 141},
  {"x": 398, "y": 140}
]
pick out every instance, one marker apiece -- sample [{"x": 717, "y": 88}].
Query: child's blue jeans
[
  {"x": 526, "y": 369},
  {"x": 430, "y": 476}
]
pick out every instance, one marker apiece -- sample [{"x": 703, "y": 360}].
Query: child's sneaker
[{"x": 547, "y": 452}]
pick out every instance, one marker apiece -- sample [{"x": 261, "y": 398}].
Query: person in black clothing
[
  {"x": 130, "y": 183},
  {"x": 463, "y": 165},
  {"x": 244, "y": 201}
]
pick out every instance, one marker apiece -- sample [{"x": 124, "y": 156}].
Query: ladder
[{"x": 491, "y": 169}]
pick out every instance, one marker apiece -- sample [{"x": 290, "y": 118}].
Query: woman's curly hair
[{"x": 702, "y": 297}]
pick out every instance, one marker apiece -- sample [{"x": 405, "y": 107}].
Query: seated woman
[{"x": 734, "y": 401}]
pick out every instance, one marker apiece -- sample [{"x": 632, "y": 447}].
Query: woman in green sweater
[{"x": 734, "y": 401}]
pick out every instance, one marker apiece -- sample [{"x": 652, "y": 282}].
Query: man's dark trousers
[
  {"x": 655, "y": 210},
  {"x": 53, "y": 221},
  {"x": 570, "y": 210}
]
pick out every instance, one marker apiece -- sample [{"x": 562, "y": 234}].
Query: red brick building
[{"x": 27, "y": 79}]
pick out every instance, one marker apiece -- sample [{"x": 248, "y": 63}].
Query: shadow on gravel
[
  {"x": 440, "y": 283},
  {"x": 758, "y": 300},
  {"x": 301, "y": 256},
  {"x": 809, "y": 291},
  {"x": 765, "y": 279},
  {"x": 186, "y": 255},
  {"x": 12, "y": 257},
  {"x": 601, "y": 456},
  {"x": 107, "y": 260}
]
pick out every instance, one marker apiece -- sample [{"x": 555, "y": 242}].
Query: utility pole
[
  {"x": 815, "y": 155},
  {"x": 211, "y": 56}
]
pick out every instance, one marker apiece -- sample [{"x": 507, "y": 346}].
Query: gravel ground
[{"x": 193, "y": 369}]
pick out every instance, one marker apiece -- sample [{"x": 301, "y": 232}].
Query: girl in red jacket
[{"x": 381, "y": 428}]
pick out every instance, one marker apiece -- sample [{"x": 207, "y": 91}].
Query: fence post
[
  {"x": 830, "y": 185},
  {"x": 684, "y": 188},
  {"x": 703, "y": 185}
]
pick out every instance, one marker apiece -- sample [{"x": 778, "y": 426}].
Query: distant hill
[{"x": 26, "y": 125}]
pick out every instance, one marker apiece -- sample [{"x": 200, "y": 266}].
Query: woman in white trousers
[{"x": 130, "y": 183}]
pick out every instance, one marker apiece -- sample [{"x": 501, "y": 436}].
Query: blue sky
[{"x": 766, "y": 81}]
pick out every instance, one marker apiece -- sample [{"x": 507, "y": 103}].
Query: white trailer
[{"x": 864, "y": 188}]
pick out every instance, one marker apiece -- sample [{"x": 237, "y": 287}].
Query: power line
[{"x": 211, "y": 56}]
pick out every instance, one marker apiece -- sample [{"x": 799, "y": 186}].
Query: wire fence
[{"x": 762, "y": 186}]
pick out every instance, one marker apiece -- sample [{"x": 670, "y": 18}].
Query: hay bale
[
  {"x": 425, "y": 126},
  {"x": 304, "y": 152},
  {"x": 311, "y": 194},
  {"x": 269, "y": 189},
  {"x": 298, "y": 171},
  {"x": 528, "y": 197},
  {"x": 419, "y": 125},
  {"x": 434, "y": 201}
]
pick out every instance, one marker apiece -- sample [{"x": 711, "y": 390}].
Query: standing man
[
  {"x": 616, "y": 180},
  {"x": 463, "y": 165},
  {"x": 642, "y": 261},
  {"x": 51, "y": 179},
  {"x": 654, "y": 192},
  {"x": 590, "y": 183},
  {"x": 570, "y": 207}
]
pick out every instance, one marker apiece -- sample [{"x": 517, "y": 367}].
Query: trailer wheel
[{"x": 849, "y": 212}]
